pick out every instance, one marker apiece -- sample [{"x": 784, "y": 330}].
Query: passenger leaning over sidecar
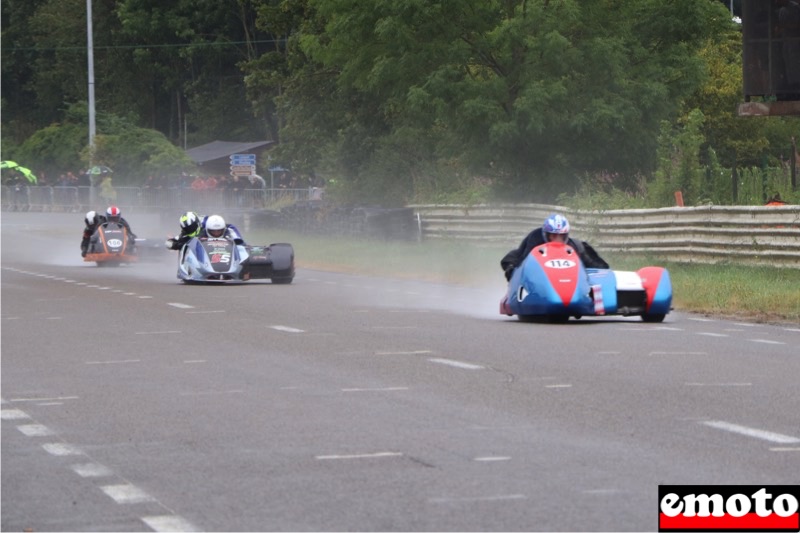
[{"x": 192, "y": 225}]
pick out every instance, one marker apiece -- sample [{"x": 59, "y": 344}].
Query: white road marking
[
  {"x": 212, "y": 393},
  {"x": 103, "y": 288},
  {"x": 193, "y": 361},
  {"x": 608, "y": 353},
  {"x": 492, "y": 458},
  {"x": 53, "y": 318},
  {"x": 678, "y": 353},
  {"x": 126, "y": 493},
  {"x": 792, "y": 329},
  {"x": 359, "y": 456},
  {"x": 35, "y": 430},
  {"x": 44, "y": 399},
  {"x": 180, "y": 305},
  {"x": 205, "y": 312},
  {"x": 479, "y": 499},
  {"x": 785, "y": 449},
  {"x": 287, "y": 329},
  {"x": 381, "y": 389},
  {"x": 120, "y": 362},
  {"x": 156, "y": 332},
  {"x": 12, "y": 414},
  {"x": 709, "y": 334},
  {"x": 413, "y": 352},
  {"x": 145, "y": 297},
  {"x": 702, "y": 319},
  {"x": 752, "y": 432},
  {"x": 168, "y": 523},
  {"x": 745, "y": 324},
  {"x": 129, "y": 293},
  {"x": 12, "y": 318},
  {"x": 766, "y": 341},
  {"x": 91, "y": 470},
  {"x": 558, "y": 386},
  {"x": 61, "y": 449},
  {"x": 693, "y": 384},
  {"x": 454, "y": 363}
]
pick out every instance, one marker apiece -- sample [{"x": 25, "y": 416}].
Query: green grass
[{"x": 755, "y": 293}]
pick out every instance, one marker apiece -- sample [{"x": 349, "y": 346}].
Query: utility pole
[{"x": 92, "y": 125}]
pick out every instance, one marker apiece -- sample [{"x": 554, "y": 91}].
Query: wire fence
[{"x": 77, "y": 199}]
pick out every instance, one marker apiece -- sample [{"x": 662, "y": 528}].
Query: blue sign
[{"x": 243, "y": 159}]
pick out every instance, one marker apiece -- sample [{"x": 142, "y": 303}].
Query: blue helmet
[{"x": 555, "y": 225}]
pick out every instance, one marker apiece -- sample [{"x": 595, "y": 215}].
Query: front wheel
[
  {"x": 653, "y": 318},
  {"x": 282, "y": 281}
]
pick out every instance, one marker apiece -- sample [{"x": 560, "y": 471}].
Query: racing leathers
[
  {"x": 199, "y": 230},
  {"x": 589, "y": 257},
  {"x": 88, "y": 231}
]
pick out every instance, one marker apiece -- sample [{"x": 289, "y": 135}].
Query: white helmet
[
  {"x": 90, "y": 218},
  {"x": 215, "y": 226}
]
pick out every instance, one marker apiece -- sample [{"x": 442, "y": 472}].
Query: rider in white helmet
[
  {"x": 92, "y": 219},
  {"x": 215, "y": 227}
]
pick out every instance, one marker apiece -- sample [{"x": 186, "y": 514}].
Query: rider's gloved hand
[{"x": 83, "y": 253}]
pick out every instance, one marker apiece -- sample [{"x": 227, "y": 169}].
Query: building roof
[{"x": 219, "y": 149}]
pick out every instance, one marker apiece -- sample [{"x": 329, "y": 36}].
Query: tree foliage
[{"x": 398, "y": 100}]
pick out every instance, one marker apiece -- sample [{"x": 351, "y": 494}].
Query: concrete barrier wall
[{"x": 751, "y": 235}]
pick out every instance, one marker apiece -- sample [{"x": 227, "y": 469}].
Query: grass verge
[{"x": 763, "y": 294}]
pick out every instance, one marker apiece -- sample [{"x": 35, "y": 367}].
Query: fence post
[{"x": 794, "y": 165}]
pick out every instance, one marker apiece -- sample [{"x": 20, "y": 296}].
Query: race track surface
[{"x": 131, "y": 402}]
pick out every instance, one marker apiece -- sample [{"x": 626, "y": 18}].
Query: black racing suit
[
  {"x": 88, "y": 231},
  {"x": 589, "y": 257}
]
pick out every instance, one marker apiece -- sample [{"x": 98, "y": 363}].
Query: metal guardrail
[{"x": 751, "y": 235}]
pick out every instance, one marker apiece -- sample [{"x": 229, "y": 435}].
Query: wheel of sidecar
[
  {"x": 282, "y": 281},
  {"x": 653, "y": 318}
]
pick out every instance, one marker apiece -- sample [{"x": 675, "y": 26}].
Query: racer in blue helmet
[{"x": 555, "y": 228}]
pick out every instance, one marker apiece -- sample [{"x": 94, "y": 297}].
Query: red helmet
[{"x": 113, "y": 213}]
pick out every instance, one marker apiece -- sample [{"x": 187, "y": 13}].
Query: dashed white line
[
  {"x": 766, "y": 341},
  {"x": 180, "y": 305},
  {"x": 120, "y": 362},
  {"x": 13, "y": 414},
  {"x": 785, "y": 449},
  {"x": 678, "y": 353},
  {"x": 359, "y": 456},
  {"x": 558, "y": 386},
  {"x": 377, "y": 389},
  {"x": 752, "y": 432},
  {"x": 454, "y": 363},
  {"x": 61, "y": 449},
  {"x": 492, "y": 458},
  {"x": 168, "y": 523},
  {"x": 792, "y": 329},
  {"x": 479, "y": 499},
  {"x": 413, "y": 352},
  {"x": 709, "y": 334},
  {"x": 91, "y": 470},
  {"x": 44, "y": 399},
  {"x": 145, "y": 297},
  {"x": 126, "y": 493},
  {"x": 696, "y": 384},
  {"x": 287, "y": 329},
  {"x": 35, "y": 430}
]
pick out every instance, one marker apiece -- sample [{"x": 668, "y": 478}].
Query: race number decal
[
  {"x": 559, "y": 263},
  {"x": 221, "y": 258},
  {"x": 114, "y": 243}
]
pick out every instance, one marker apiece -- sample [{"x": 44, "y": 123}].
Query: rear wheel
[
  {"x": 652, "y": 318},
  {"x": 282, "y": 281}
]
